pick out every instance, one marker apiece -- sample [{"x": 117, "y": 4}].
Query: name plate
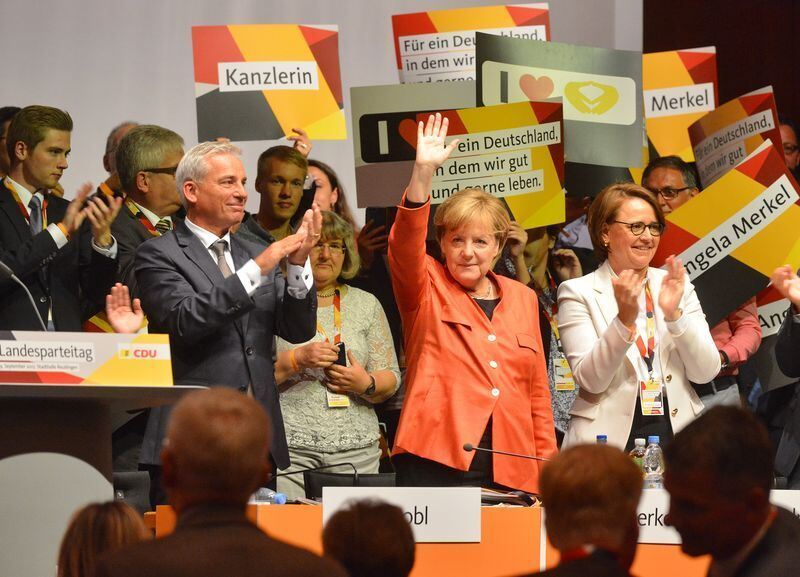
[
  {"x": 36, "y": 357},
  {"x": 653, "y": 507},
  {"x": 436, "y": 514},
  {"x": 787, "y": 499}
]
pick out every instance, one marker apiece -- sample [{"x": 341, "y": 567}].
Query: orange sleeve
[{"x": 407, "y": 256}]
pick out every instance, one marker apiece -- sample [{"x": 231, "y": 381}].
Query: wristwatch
[
  {"x": 725, "y": 361},
  {"x": 370, "y": 390}
]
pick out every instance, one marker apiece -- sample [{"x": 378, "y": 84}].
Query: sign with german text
[
  {"x": 440, "y": 45},
  {"x": 600, "y": 90},
  {"x": 84, "y": 358},
  {"x": 732, "y": 235},
  {"x": 679, "y": 88},
  {"x": 512, "y": 151},
  {"x": 257, "y": 82},
  {"x": 723, "y": 138}
]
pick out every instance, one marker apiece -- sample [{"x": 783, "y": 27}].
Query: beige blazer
[{"x": 603, "y": 362}]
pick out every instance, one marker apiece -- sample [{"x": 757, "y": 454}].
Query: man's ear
[
  {"x": 694, "y": 191},
  {"x": 142, "y": 184},
  {"x": 190, "y": 192},
  {"x": 20, "y": 150}
]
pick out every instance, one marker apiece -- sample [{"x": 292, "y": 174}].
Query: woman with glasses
[
  {"x": 634, "y": 336},
  {"x": 327, "y": 407}
]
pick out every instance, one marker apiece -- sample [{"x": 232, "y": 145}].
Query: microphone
[
  {"x": 469, "y": 447},
  {"x": 6, "y": 271},
  {"x": 320, "y": 468}
]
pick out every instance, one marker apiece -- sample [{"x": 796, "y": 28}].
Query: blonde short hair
[
  {"x": 468, "y": 205},
  {"x": 334, "y": 227}
]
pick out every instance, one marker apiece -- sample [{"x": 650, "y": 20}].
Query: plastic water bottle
[
  {"x": 266, "y": 495},
  {"x": 602, "y": 439},
  {"x": 638, "y": 453},
  {"x": 653, "y": 464}
]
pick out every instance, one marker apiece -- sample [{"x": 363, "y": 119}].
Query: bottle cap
[
  {"x": 638, "y": 442},
  {"x": 653, "y": 439},
  {"x": 602, "y": 438},
  {"x": 279, "y": 499}
]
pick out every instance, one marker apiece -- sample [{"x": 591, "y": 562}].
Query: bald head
[{"x": 216, "y": 449}]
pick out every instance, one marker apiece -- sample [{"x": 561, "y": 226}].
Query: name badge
[
  {"x": 651, "y": 395},
  {"x": 336, "y": 400},
  {"x": 563, "y": 374}
]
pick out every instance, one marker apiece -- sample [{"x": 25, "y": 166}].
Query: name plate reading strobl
[{"x": 436, "y": 514}]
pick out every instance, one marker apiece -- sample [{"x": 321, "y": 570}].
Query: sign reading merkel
[
  {"x": 257, "y": 82},
  {"x": 732, "y": 235}
]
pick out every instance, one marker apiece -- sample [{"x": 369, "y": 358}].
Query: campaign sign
[
  {"x": 732, "y": 235},
  {"x": 600, "y": 90},
  {"x": 257, "y": 82},
  {"x": 60, "y": 358},
  {"x": 439, "y": 45},
  {"x": 723, "y": 138},
  {"x": 680, "y": 86}
]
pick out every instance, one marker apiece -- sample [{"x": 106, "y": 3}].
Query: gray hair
[
  {"x": 193, "y": 166},
  {"x": 674, "y": 163},
  {"x": 144, "y": 147}
]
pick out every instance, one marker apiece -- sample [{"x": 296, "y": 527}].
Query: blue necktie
[{"x": 35, "y": 206}]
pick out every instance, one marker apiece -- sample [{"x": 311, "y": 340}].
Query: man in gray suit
[
  {"x": 719, "y": 474},
  {"x": 220, "y": 298}
]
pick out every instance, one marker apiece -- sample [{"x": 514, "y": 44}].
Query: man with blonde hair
[
  {"x": 590, "y": 495},
  {"x": 214, "y": 458}
]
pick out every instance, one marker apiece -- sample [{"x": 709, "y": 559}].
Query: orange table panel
[{"x": 511, "y": 541}]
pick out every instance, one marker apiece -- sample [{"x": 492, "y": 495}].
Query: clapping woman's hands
[{"x": 669, "y": 298}]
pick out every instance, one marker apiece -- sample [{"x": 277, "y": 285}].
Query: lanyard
[
  {"x": 24, "y": 209},
  {"x": 337, "y": 319},
  {"x": 648, "y": 353},
  {"x": 551, "y": 315},
  {"x": 137, "y": 212}
]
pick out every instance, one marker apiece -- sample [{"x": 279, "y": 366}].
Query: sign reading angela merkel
[
  {"x": 257, "y": 82},
  {"x": 732, "y": 235}
]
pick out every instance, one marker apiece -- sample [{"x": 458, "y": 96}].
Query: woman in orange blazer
[{"x": 476, "y": 370}]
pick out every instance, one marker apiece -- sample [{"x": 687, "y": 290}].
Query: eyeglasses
[
  {"x": 637, "y": 228},
  {"x": 333, "y": 247},
  {"x": 171, "y": 170},
  {"x": 669, "y": 193},
  {"x": 790, "y": 148}
]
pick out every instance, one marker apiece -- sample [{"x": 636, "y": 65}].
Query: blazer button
[
  {"x": 42, "y": 299},
  {"x": 492, "y": 338},
  {"x": 674, "y": 412},
  {"x": 249, "y": 351},
  {"x": 668, "y": 378},
  {"x": 495, "y": 392},
  {"x": 493, "y": 364}
]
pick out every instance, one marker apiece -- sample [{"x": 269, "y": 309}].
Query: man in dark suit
[
  {"x": 146, "y": 161},
  {"x": 719, "y": 474},
  {"x": 787, "y": 355},
  {"x": 591, "y": 493},
  {"x": 220, "y": 298},
  {"x": 215, "y": 459},
  {"x": 63, "y": 251}
]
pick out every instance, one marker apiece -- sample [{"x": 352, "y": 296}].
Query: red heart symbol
[
  {"x": 536, "y": 89},
  {"x": 408, "y": 130}
]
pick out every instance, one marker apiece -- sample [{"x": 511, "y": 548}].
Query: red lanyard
[
  {"x": 551, "y": 315},
  {"x": 337, "y": 319},
  {"x": 137, "y": 212},
  {"x": 649, "y": 353},
  {"x": 24, "y": 209}
]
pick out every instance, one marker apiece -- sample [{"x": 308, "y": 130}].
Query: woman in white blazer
[{"x": 634, "y": 372}]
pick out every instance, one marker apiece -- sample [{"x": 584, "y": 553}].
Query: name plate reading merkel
[
  {"x": 436, "y": 514},
  {"x": 56, "y": 358}
]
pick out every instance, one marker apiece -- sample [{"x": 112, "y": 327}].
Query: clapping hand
[
  {"x": 669, "y": 298},
  {"x": 566, "y": 264},
  {"x": 125, "y": 317},
  {"x": 787, "y": 283},
  {"x": 627, "y": 288}
]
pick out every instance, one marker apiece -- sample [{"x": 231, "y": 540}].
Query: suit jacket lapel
[
  {"x": 240, "y": 258},
  {"x": 197, "y": 253},
  {"x": 10, "y": 207},
  {"x": 604, "y": 293}
]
